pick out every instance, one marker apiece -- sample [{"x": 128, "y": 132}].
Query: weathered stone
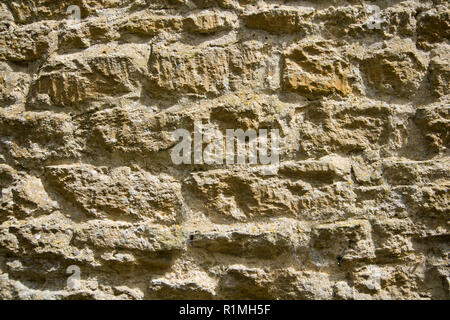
[
  {"x": 22, "y": 195},
  {"x": 350, "y": 126},
  {"x": 134, "y": 133},
  {"x": 242, "y": 282},
  {"x": 29, "y": 11},
  {"x": 277, "y": 21},
  {"x": 33, "y": 139},
  {"x": 242, "y": 196},
  {"x": 433, "y": 201},
  {"x": 14, "y": 84},
  {"x": 140, "y": 238},
  {"x": 24, "y": 44},
  {"x": 345, "y": 240},
  {"x": 366, "y": 173},
  {"x": 210, "y": 70},
  {"x": 197, "y": 285},
  {"x": 82, "y": 36},
  {"x": 339, "y": 21},
  {"x": 434, "y": 122},
  {"x": 185, "y": 70},
  {"x": 398, "y": 172},
  {"x": 402, "y": 20},
  {"x": 122, "y": 192},
  {"x": 313, "y": 69},
  {"x": 208, "y": 22},
  {"x": 149, "y": 25},
  {"x": 397, "y": 68},
  {"x": 264, "y": 244},
  {"x": 433, "y": 26},
  {"x": 440, "y": 70},
  {"x": 43, "y": 237},
  {"x": 79, "y": 78},
  {"x": 307, "y": 285},
  {"x": 328, "y": 169}
]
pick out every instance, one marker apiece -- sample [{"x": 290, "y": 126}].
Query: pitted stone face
[{"x": 353, "y": 205}]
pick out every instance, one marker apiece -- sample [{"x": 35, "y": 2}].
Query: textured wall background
[{"x": 359, "y": 207}]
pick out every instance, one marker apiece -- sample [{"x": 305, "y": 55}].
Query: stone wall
[{"x": 359, "y": 206}]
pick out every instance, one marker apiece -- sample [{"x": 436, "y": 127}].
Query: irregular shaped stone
[
  {"x": 328, "y": 169},
  {"x": 5, "y": 14},
  {"x": 44, "y": 237},
  {"x": 197, "y": 285},
  {"x": 22, "y": 195},
  {"x": 139, "y": 237},
  {"x": 33, "y": 139},
  {"x": 134, "y": 132},
  {"x": 84, "y": 35},
  {"x": 277, "y": 20},
  {"x": 433, "y": 25},
  {"x": 344, "y": 240},
  {"x": 306, "y": 285},
  {"x": 29, "y": 11},
  {"x": 149, "y": 245},
  {"x": 185, "y": 71},
  {"x": 369, "y": 279},
  {"x": 434, "y": 121},
  {"x": 225, "y": 4},
  {"x": 149, "y": 24},
  {"x": 402, "y": 20},
  {"x": 367, "y": 173},
  {"x": 440, "y": 70},
  {"x": 241, "y": 282},
  {"x": 401, "y": 172},
  {"x": 208, "y": 22},
  {"x": 240, "y": 196},
  {"x": 433, "y": 201},
  {"x": 397, "y": 68},
  {"x": 122, "y": 192},
  {"x": 393, "y": 240},
  {"x": 313, "y": 69},
  {"x": 24, "y": 44},
  {"x": 339, "y": 21},
  {"x": 264, "y": 244},
  {"x": 79, "y": 78},
  {"x": 350, "y": 126},
  {"x": 209, "y": 70},
  {"x": 14, "y": 84},
  {"x": 342, "y": 291}
]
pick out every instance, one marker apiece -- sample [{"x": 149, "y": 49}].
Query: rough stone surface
[{"x": 358, "y": 209}]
